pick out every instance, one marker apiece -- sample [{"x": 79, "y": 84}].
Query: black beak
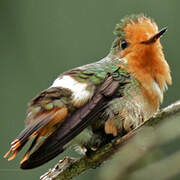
[{"x": 155, "y": 37}]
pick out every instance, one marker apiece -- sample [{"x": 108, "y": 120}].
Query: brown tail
[{"x": 40, "y": 127}]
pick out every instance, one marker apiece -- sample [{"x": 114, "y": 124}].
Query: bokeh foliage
[{"x": 40, "y": 39}]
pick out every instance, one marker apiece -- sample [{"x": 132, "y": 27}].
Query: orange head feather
[{"x": 144, "y": 55}]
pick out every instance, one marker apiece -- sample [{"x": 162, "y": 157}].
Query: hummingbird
[{"x": 90, "y": 105}]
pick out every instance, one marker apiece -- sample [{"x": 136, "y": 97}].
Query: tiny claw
[
  {"x": 13, "y": 155},
  {"x": 25, "y": 158}
]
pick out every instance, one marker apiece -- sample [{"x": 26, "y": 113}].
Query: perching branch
[{"x": 68, "y": 167}]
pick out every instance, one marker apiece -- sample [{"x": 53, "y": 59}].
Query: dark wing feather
[
  {"x": 54, "y": 144},
  {"x": 29, "y": 130}
]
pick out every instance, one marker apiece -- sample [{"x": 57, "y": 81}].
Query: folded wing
[{"x": 72, "y": 126}]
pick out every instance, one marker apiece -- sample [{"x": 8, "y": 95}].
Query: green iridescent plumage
[
  {"x": 47, "y": 100},
  {"x": 97, "y": 75},
  {"x": 119, "y": 31}
]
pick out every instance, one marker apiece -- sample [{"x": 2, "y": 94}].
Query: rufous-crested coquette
[{"x": 91, "y": 104}]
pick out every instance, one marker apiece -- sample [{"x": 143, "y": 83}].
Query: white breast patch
[
  {"x": 80, "y": 94},
  {"x": 158, "y": 90}
]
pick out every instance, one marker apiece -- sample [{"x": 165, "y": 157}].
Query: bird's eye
[{"x": 124, "y": 44}]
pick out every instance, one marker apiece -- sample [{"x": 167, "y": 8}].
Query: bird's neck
[{"x": 152, "y": 71}]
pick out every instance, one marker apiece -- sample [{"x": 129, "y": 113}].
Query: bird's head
[
  {"x": 138, "y": 43},
  {"x": 136, "y": 33}
]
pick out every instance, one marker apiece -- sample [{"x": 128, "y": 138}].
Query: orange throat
[{"x": 149, "y": 66}]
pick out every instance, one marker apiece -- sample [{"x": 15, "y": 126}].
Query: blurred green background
[{"x": 39, "y": 39}]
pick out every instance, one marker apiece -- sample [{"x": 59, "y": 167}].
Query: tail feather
[
  {"x": 55, "y": 143},
  {"x": 30, "y": 131},
  {"x": 57, "y": 138}
]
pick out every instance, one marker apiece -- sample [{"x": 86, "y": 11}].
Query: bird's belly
[
  {"x": 128, "y": 112},
  {"x": 122, "y": 115}
]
